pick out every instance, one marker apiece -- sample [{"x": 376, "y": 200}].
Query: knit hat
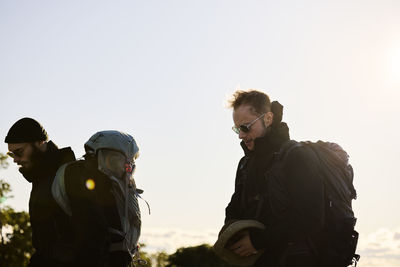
[{"x": 26, "y": 130}]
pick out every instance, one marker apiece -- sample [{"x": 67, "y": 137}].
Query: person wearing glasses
[
  {"x": 291, "y": 207},
  {"x": 38, "y": 160}
]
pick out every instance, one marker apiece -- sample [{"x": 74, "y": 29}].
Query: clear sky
[{"x": 163, "y": 70}]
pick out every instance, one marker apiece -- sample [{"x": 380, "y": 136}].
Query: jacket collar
[
  {"x": 269, "y": 143},
  {"x": 50, "y": 161}
]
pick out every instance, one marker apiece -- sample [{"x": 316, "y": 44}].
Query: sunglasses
[
  {"x": 246, "y": 127},
  {"x": 17, "y": 153}
]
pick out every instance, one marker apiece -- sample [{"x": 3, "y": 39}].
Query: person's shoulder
[
  {"x": 242, "y": 159},
  {"x": 74, "y": 167},
  {"x": 67, "y": 154},
  {"x": 299, "y": 153},
  {"x": 60, "y": 155},
  {"x": 67, "y": 150},
  {"x": 242, "y": 162}
]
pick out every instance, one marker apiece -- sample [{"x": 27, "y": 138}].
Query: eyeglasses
[
  {"x": 246, "y": 127},
  {"x": 17, "y": 153}
]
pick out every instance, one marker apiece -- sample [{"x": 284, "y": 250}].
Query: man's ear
[
  {"x": 42, "y": 145},
  {"x": 268, "y": 118}
]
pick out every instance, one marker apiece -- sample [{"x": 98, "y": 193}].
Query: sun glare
[{"x": 394, "y": 66}]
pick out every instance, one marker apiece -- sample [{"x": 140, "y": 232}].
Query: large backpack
[
  {"x": 337, "y": 243},
  {"x": 102, "y": 147},
  {"x": 126, "y": 199}
]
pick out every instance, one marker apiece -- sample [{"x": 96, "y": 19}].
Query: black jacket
[
  {"x": 289, "y": 203},
  {"x": 50, "y": 228}
]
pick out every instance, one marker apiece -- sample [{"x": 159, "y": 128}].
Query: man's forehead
[
  {"x": 244, "y": 112},
  {"x": 247, "y": 108},
  {"x": 16, "y": 146}
]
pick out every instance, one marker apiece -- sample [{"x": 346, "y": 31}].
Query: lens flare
[
  {"x": 90, "y": 184},
  {"x": 394, "y": 66}
]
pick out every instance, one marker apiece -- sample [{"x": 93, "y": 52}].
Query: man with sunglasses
[
  {"x": 291, "y": 208},
  {"x": 39, "y": 160}
]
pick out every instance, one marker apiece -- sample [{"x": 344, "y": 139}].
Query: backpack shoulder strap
[
  {"x": 285, "y": 150},
  {"x": 59, "y": 192}
]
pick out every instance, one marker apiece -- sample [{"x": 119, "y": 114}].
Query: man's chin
[
  {"x": 250, "y": 145},
  {"x": 24, "y": 169}
]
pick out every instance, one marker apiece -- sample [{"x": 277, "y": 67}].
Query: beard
[{"x": 35, "y": 163}]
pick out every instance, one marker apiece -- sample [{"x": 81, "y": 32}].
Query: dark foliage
[
  {"x": 199, "y": 256},
  {"x": 15, "y": 231}
]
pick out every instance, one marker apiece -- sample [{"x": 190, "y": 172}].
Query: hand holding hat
[{"x": 234, "y": 245}]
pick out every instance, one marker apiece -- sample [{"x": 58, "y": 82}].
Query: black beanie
[{"x": 26, "y": 130}]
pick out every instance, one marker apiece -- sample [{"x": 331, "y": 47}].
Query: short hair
[{"x": 258, "y": 101}]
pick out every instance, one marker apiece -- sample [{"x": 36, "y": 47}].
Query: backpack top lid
[{"x": 114, "y": 140}]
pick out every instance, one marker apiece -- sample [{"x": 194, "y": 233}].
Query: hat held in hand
[{"x": 232, "y": 233}]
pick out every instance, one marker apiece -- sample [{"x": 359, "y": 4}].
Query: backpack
[
  {"x": 338, "y": 241},
  {"x": 113, "y": 153},
  {"x": 126, "y": 199}
]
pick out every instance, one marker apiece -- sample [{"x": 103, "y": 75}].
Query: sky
[{"x": 163, "y": 72}]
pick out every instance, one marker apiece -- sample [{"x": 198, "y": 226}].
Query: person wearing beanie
[
  {"x": 258, "y": 123},
  {"x": 38, "y": 160}
]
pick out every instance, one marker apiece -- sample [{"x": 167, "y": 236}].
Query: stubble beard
[{"x": 34, "y": 160}]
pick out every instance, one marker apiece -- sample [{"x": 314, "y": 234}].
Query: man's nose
[{"x": 241, "y": 134}]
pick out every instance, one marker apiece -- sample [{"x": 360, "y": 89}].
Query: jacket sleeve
[
  {"x": 232, "y": 211},
  {"x": 88, "y": 220},
  {"x": 305, "y": 212}
]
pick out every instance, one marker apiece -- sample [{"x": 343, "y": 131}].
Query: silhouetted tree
[
  {"x": 144, "y": 256},
  {"x": 15, "y": 231},
  {"x": 198, "y": 256},
  {"x": 159, "y": 259}
]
